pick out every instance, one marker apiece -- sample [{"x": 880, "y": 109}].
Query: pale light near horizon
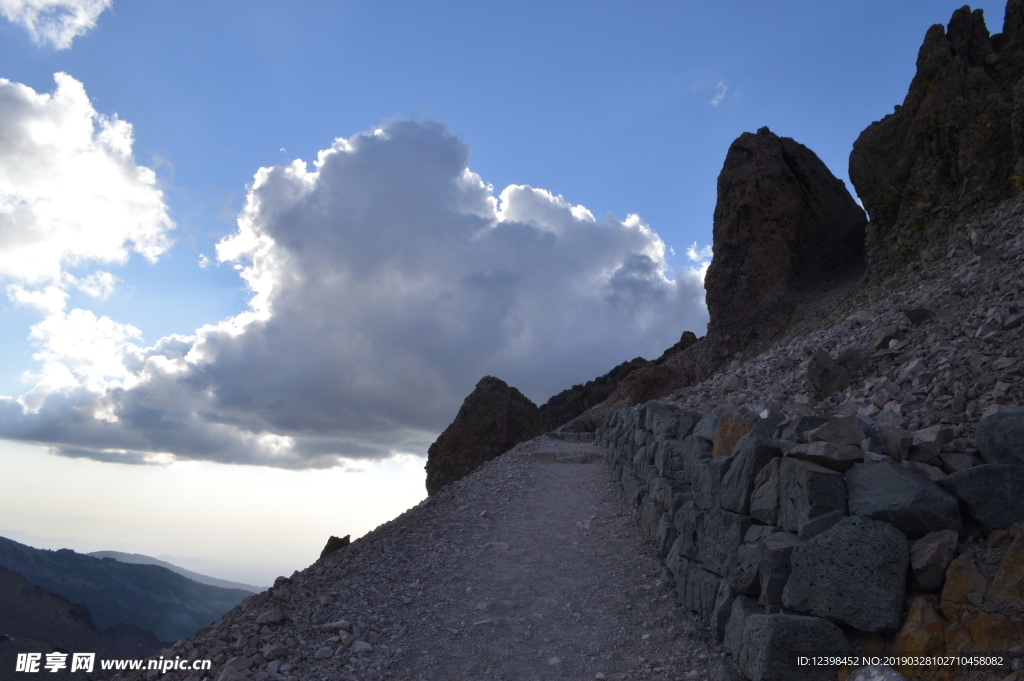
[{"x": 244, "y": 523}]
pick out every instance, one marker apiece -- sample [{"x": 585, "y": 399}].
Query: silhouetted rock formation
[
  {"x": 335, "y": 543},
  {"x": 493, "y": 419},
  {"x": 784, "y": 228},
  {"x": 956, "y": 144}
]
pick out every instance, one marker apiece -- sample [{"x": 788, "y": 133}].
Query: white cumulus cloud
[
  {"x": 54, "y": 22},
  {"x": 71, "y": 193},
  {"x": 385, "y": 280}
]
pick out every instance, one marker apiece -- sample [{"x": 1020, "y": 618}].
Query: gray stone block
[
  {"x": 764, "y": 500},
  {"x": 708, "y": 425},
  {"x": 884, "y": 490},
  {"x": 660, "y": 490},
  {"x": 689, "y": 523},
  {"x": 1001, "y": 438},
  {"x": 695, "y": 448},
  {"x": 854, "y": 573},
  {"x": 773, "y": 568},
  {"x": 991, "y": 494},
  {"x": 682, "y": 492},
  {"x": 633, "y": 488},
  {"x": 744, "y": 577},
  {"x": 896, "y": 441},
  {"x": 772, "y": 644},
  {"x": 930, "y": 556},
  {"x": 749, "y": 456},
  {"x": 812, "y": 498},
  {"x": 794, "y": 432},
  {"x": 723, "y": 608},
  {"x": 650, "y": 515},
  {"x": 666, "y": 534},
  {"x": 654, "y": 410},
  {"x": 720, "y": 539},
  {"x": 696, "y": 588},
  {"x": 707, "y": 480},
  {"x": 742, "y": 608},
  {"x": 846, "y": 430},
  {"x": 668, "y": 458},
  {"x": 766, "y": 427}
]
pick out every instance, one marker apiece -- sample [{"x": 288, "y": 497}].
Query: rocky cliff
[
  {"x": 956, "y": 145},
  {"x": 785, "y": 229}
]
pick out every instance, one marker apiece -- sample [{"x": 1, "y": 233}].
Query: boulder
[
  {"x": 694, "y": 449},
  {"x": 784, "y": 226},
  {"x": 812, "y": 498},
  {"x": 493, "y": 418},
  {"x": 964, "y": 583},
  {"x": 668, "y": 459},
  {"x": 825, "y": 375},
  {"x": 846, "y": 430},
  {"x": 896, "y": 441},
  {"x": 854, "y": 573},
  {"x": 720, "y": 539},
  {"x": 772, "y": 645},
  {"x": 696, "y": 588},
  {"x": 742, "y": 608},
  {"x": 836, "y": 457},
  {"x": 774, "y": 553},
  {"x": 708, "y": 424},
  {"x": 750, "y": 456},
  {"x": 666, "y": 534},
  {"x": 920, "y": 636},
  {"x": 884, "y": 490},
  {"x": 1008, "y": 582},
  {"x": 990, "y": 493},
  {"x": 707, "y": 480},
  {"x": 744, "y": 578},
  {"x": 689, "y": 524},
  {"x": 794, "y": 431},
  {"x": 930, "y": 556},
  {"x": 764, "y": 500},
  {"x": 954, "y": 145},
  {"x": 730, "y": 430},
  {"x": 1001, "y": 438}
]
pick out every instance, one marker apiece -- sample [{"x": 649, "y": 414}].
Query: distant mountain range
[
  {"x": 139, "y": 559},
  {"x": 151, "y": 597},
  {"x": 33, "y": 620}
]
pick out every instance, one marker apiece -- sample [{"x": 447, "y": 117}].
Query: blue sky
[{"x": 385, "y": 282}]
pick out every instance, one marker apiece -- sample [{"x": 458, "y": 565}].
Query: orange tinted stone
[{"x": 730, "y": 430}]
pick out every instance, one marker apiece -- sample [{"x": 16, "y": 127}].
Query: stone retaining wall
[{"x": 806, "y": 536}]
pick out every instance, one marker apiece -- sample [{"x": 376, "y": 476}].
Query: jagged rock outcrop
[
  {"x": 784, "y": 229},
  {"x": 955, "y": 145},
  {"x": 493, "y": 418}
]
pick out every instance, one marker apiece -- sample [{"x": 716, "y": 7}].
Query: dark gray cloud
[{"x": 386, "y": 280}]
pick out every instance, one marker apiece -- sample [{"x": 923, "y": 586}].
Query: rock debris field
[{"x": 531, "y": 568}]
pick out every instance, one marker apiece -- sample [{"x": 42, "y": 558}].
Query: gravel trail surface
[{"x": 531, "y": 568}]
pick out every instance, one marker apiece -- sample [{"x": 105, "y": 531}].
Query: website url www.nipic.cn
[{"x": 86, "y": 662}]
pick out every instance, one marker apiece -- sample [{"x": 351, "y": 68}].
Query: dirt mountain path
[
  {"x": 535, "y": 569},
  {"x": 531, "y": 568}
]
